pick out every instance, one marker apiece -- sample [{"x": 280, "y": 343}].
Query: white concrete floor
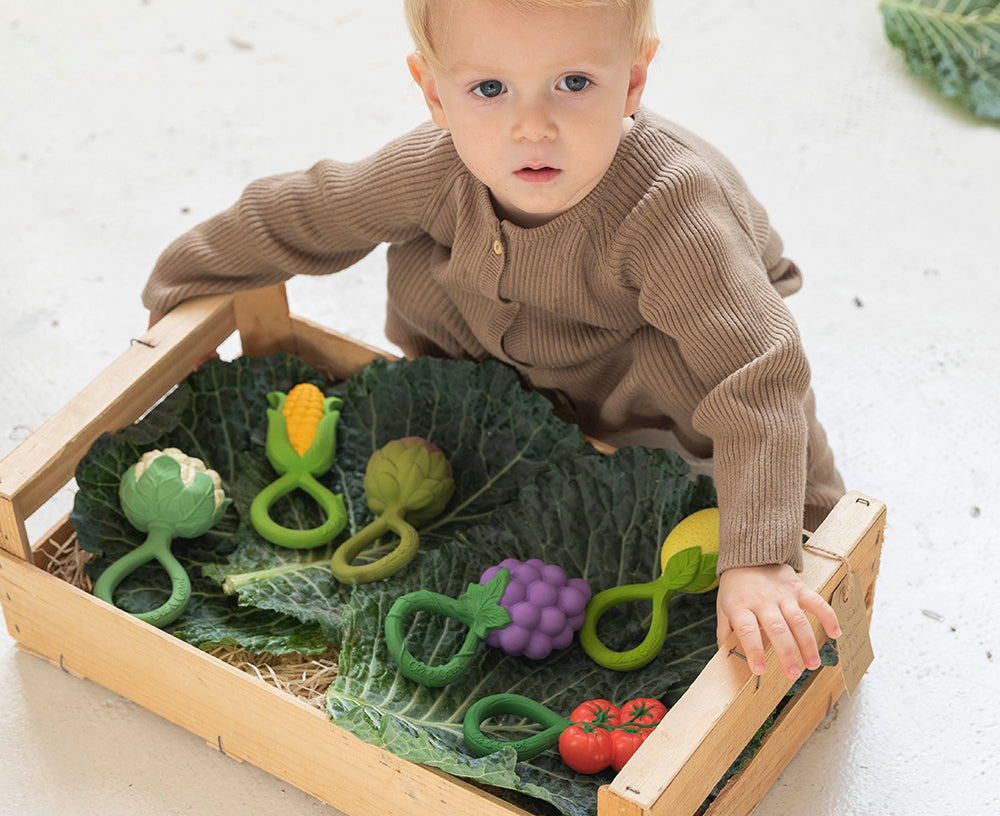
[{"x": 124, "y": 123}]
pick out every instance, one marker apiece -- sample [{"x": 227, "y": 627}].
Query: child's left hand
[{"x": 772, "y": 599}]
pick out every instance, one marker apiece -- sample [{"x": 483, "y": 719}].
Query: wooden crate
[{"x": 245, "y": 718}]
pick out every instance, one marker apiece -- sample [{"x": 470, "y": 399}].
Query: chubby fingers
[
  {"x": 771, "y": 602},
  {"x": 814, "y": 603},
  {"x": 788, "y": 632},
  {"x": 744, "y": 624},
  {"x": 793, "y": 637},
  {"x": 794, "y": 612}
]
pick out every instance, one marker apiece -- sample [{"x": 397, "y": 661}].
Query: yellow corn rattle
[
  {"x": 301, "y": 444},
  {"x": 688, "y": 560}
]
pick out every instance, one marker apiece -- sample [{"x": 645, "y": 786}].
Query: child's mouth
[{"x": 537, "y": 175}]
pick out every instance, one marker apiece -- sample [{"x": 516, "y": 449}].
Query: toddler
[{"x": 618, "y": 262}]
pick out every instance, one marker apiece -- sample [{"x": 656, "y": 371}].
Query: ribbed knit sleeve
[
  {"x": 313, "y": 222},
  {"x": 704, "y": 284}
]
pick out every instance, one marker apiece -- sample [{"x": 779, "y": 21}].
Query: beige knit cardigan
[{"x": 655, "y": 302}]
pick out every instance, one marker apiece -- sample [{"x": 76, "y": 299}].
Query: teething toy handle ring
[
  {"x": 656, "y": 591},
  {"x": 156, "y": 546},
  {"x": 418, "y": 671},
  {"x": 478, "y": 608},
  {"x": 517, "y": 705},
  {"x": 331, "y": 504},
  {"x": 393, "y": 519}
]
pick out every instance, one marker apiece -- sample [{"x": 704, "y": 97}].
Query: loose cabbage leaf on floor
[
  {"x": 954, "y": 43},
  {"x": 602, "y": 519}
]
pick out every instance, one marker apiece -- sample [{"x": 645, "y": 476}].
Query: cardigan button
[{"x": 497, "y": 247}]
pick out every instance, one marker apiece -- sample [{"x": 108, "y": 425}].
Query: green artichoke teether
[
  {"x": 478, "y": 608},
  {"x": 301, "y": 444},
  {"x": 167, "y": 495},
  {"x": 407, "y": 482},
  {"x": 688, "y": 560}
]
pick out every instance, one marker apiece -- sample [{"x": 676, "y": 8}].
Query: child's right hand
[{"x": 773, "y": 601}]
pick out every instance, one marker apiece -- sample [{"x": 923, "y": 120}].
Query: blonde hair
[{"x": 638, "y": 13}]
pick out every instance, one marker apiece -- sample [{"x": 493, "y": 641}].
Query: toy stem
[
  {"x": 659, "y": 593},
  {"x": 390, "y": 519},
  {"x": 518, "y": 705},
  {"x": 156, "y": 545},
  {"x": 332, "y": 505}
]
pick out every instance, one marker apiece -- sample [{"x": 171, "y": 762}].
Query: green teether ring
[
  {"x": 499, "y": 705},
  {"x": 407, "y": 482},
  {"x": 166, "y": 501},
  {"x": 688, "y": 558},
  {"x": 156, "y": 546},
  {"x": 478, "y": 608},
  {"x": 301, "y": 444},
  {"x": 386, "y": 566},
  {"x": 659, "y": 593}
]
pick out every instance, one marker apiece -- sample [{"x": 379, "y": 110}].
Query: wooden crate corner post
[{"x": 264, "y": 322}]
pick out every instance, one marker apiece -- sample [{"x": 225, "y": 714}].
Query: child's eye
[
  {"x": 489, "y": 89},
  {"x": 573, "y": 83}
]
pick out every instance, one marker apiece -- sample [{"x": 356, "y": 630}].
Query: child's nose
[{"x": 533, "y": 124}]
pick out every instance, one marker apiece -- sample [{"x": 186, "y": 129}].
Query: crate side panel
[
  {"x": 263, "y": 321},
  {"x": 336, "y": 355},
  {"x": 13, "y": 534},
  {"x": 42, "y": 464},
  {"x": 243, "y": 716},
  {"x": 790, "y": 731}
]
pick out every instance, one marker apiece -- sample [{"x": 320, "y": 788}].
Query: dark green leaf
[
  {"x": 448, "y": 403},
  {"x": 527, "y": 486},
  {"x": 954, "y": 43},
  {"x": 600, "y": 518}
]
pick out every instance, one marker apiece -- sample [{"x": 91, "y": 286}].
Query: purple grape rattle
[
  {"x": 526, "y": 609},
  {"x": 546, "y": 608}
]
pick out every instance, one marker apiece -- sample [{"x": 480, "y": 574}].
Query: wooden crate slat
[
  {"x": 335, "y": 355},
  {"x": 13, "y": 533},
  {"x": 232, "y": 711},
  {"x": 263, "y": 321},
  {"x": 788, "y": 733}
]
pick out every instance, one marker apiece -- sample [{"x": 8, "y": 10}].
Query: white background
[{"x": 122, "y": 124}]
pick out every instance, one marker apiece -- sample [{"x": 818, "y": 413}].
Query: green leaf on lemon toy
[{"x": 691, "y": 552}]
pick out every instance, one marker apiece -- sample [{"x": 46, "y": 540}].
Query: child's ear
[
  {"x": 422, "y": 74},
  {"x": 637, "y": 76}
]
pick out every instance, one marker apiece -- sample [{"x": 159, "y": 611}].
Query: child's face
[{"x": 536, "y": 101}]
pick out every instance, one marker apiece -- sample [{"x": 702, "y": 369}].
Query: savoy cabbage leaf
[
  {"x": 954, "y": 43},
  {"x": 496, "y": 434},
  {"x": 602, "y": 519},
  {"x": 527, "y": 485}
]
